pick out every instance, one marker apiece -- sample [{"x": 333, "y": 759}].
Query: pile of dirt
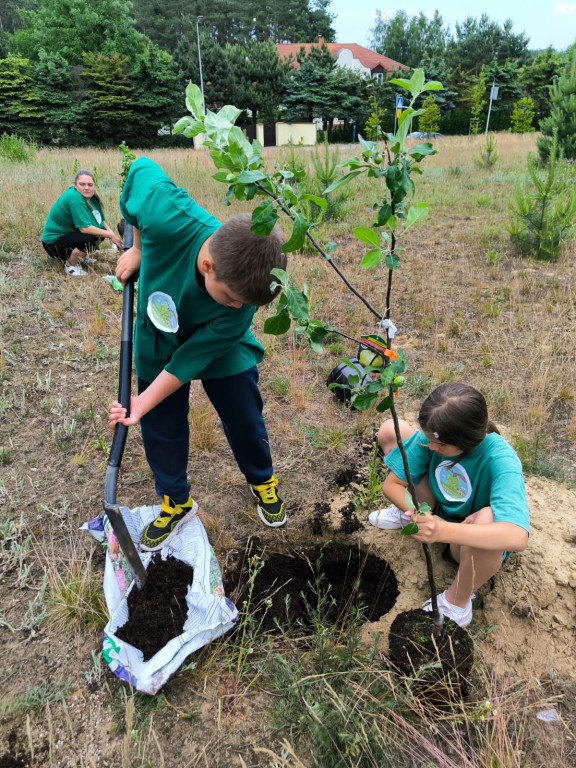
[{"x": 158, "y": 611}]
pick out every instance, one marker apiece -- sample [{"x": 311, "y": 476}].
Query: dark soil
[
  {"x": 157, "y": 612},
  {"x": 14, "y": 758},
  {"x": 439, "y": 668},
  {"x": 295, "y": 583}
]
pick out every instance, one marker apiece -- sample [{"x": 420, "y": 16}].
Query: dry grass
[{"x": 501, "y": 323}]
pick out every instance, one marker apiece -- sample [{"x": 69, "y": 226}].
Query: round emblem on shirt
[
  {"x": 97, "y": 215},
  {"x": 162, "y": 312},
  {"x": 453, "y": 481}
]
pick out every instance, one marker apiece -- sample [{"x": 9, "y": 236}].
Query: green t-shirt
[
  {"x": 70, "y": 212},
  {"x": 490, "y": 475},
  {"x": 179, "y": 327}
]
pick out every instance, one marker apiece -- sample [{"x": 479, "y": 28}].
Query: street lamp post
[{"x": 198, "y": 20}]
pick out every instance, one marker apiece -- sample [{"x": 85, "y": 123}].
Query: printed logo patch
[
  {"x": 453, "y": 482},
  {"x": 162, "y": 312},
  {"x": 97, "y": 215}
]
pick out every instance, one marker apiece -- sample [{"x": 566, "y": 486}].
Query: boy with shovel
[{"x": 200, "y": 284}]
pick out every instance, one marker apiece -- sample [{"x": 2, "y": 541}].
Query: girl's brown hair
[{"x": 456, "y": 414}]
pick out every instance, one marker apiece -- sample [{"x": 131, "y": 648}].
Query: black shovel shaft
[{"x": 119, "y": 441}]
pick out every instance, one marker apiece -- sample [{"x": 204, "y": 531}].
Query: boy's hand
[
  {"x": 128, "y": 264},
  {"x": 117, "y": 413}
]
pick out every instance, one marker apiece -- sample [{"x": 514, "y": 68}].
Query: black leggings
[{"x": 63, "y": 247}]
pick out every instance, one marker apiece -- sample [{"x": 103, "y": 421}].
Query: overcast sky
[{"x": 545, "y": 22}]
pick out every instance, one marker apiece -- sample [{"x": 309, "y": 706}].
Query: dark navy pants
[{"x": 166, "y": 433}]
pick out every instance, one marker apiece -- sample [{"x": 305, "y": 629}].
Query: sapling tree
[{"x": 240, "y": 165}]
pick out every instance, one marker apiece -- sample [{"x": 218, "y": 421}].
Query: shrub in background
[
  {"x": 18, "y": 150},
  {"x": 522, "y": 116}
]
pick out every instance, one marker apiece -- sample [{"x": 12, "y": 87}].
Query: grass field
[{"x": 466, "y": 308}]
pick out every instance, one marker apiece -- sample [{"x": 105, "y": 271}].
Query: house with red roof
[{"x": 348, "y": 55}]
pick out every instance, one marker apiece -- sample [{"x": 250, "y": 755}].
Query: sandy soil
[{"x": 527, "y": 621}]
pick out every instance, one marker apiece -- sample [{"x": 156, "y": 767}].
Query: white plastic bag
[{"x": 210, "y": 613}]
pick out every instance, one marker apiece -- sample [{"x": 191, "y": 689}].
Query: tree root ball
[{"x": 437, "y": 668}]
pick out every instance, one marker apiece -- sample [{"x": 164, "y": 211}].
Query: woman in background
[{"x": 75, "y": 225}]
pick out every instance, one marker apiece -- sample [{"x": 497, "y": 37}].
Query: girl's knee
[
  {"x": 387, "y": 434},
  {"x": 484, "y": 516}
]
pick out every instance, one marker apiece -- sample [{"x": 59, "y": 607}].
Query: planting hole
[{"x": 326, "y": 582}]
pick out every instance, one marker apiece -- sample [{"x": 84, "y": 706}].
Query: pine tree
[
  {"x": 522, "y": 116},
  {"x": 20, "y": 106},
  {"x": 429, "y": 122},
  {"x": 562, "y": 119},
  {"x": 111, "y": 107}
]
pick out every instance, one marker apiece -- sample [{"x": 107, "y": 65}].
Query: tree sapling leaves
[
  {"x": 264, "y": 218},
  {"x": 298, "y": 236},
  {"x": 416, "y": 213},
  {"x": 371, "y": 258},
  {"x": 367, "y": 236},
  {"x": 194, "y": 101},
  {"x": 278, "y": 324}
]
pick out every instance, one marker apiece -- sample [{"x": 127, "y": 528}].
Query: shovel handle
[{"x": 124, "y": 384}]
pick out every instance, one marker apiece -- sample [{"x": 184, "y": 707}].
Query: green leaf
[
  {"x": 371, "y": 258},
  {"x": 221, "y": 176},
  {"x": 409, "y": 530},
  {"x": 422, "y": 149},
  {"x": 330, "y": 247},
  {"x": 230, "y": 113},
  {"x": 282, "y": 276},
  {"x": 416, "y": 213},
  {"x": 194, "y": 129},
  {"x": 297, "y": 304},
  {"x": 278, "y": 324},
  {"x": 433, "y": 85},
  {"x": 298, "y": 236},
  {"x": 401, "y": 82},
  {"x": 367, "y": 236},
  {"x": 392, "y": 261},
  {"x": 363, "y": 401},
  {"x": 384, "y": 404},
  {"x": 194, "y": 102},
  {"x": 408, "y": 499},
  {"x": 264, "y": 218},
  {"x": 384, "y": 213},
  {"x": 321, "y": 202},
  {"x": 343, "y": 181},
  {"x": 425, "y": 507},
  {"x": 249, "y": 177}
]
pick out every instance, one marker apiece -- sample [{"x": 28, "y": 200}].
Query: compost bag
[{"x": 209, "y": 612}]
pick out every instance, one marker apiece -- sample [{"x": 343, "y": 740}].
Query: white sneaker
[
  {"x": 76, "y": 271},
  {"x": 461, "y": 616},
  {"x": 389, "y": 519}
]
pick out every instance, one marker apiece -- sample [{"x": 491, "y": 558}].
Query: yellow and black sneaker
[
  {"x": 270, "y": 505},
  {"x": 166, "y": 525}
]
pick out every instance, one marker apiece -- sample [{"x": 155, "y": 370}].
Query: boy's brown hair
[{"x": 244, "y": 260}]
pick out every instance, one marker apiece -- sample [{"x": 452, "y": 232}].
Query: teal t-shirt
[
  {"x": 490, "y": 475},
  {"x": 179, "y": 327},
  {"x": 70, "y": 212}
]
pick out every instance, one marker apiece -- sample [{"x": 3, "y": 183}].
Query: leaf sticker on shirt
[
  {"x": 97, "y": 215},
  {"x": 162, "y": 312},
  {"x": 453, "y": 481}
]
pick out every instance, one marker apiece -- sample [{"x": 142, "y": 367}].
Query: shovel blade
[{"x": 126, "y": 545}]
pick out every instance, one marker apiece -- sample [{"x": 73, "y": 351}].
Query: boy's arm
[
  {"x": 129, "y": 262},
  {"x": 162, "y": 386}
]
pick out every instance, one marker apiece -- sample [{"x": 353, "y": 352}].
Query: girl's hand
[
  {"x": 117, "y": 413},
  {"x": 429, "y": 527},
  {"x": 115, "y": 240}
]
